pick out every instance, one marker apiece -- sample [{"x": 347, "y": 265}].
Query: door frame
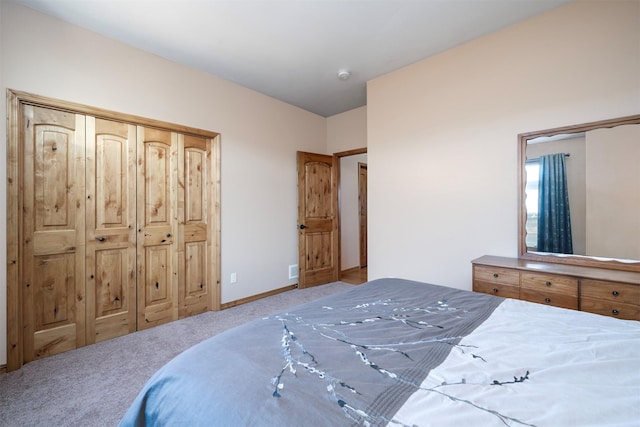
[
  {"x": 336, "y": 157},
  {"x": 15, "y": 100},
  {"x": 363, "y": 254}
]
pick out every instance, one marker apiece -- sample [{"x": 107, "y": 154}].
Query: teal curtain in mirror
[{"x": 554, "y": 221}]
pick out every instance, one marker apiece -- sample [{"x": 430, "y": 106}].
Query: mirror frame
[{"x": 576, "y": 260}]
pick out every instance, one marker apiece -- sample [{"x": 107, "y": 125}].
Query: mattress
[{"x": 398, "y": 352}]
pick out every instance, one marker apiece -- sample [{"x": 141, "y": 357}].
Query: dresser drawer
[
  {"x": 498, "y": 289},
  {"x": 610, "y": 308},
  {"x": 610, "y": 291},
  {"x": 547, "y": 283},
  {"x": 496, "y": 275},
  {"x": 549, "y": 298}
]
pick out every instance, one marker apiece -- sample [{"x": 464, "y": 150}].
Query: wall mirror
[{"x": 579, "y": 194}]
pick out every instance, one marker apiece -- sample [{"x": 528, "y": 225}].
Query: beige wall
[
  {"x": 613, "y": 192},
  {"x": 260, "y": 135},
  {"x": 442, "y": 133},
  {"x": 347, "y": 131}
]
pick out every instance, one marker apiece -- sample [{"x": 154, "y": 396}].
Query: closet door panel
[
  {"x": 114, "y": 294},
  {"x": 111, "y": 221},
  {"x": 194, "y": 202},
  {"x": 53, "y": 231},
  {"x": 157, "y": 227},
  {"x": 54, "y": 319}
]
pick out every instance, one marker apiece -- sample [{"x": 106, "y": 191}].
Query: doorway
[
  {"x": 352, "y": 206},
  {"x": 322, "y": 199}
]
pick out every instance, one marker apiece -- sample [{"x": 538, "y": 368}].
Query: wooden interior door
[
  {"x": 111, "y": 225},
  {"x": 362, "y": 212},
  {"x": 157, "y": 227},
  {"x": 195, "y": 229},
  {"x": 53, "y": 293},
  {"x": 317, "y": 219}
]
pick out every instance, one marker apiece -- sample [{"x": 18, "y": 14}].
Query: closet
[{"x": 115, "y": 225}]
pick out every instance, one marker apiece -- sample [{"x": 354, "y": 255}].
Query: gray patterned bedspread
[{"x": 352, "y": 358}]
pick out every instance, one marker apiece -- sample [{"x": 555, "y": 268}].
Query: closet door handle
[
  {"x": 302, "y": 226},
  {"x": 101, "y": 239}
]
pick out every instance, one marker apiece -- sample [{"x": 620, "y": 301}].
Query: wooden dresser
[{"x": 596, "y": 290}]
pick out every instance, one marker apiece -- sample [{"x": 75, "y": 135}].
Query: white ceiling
[{"x": 292, "y": 50}]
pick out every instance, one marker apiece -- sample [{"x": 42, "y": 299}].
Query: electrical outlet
[
  {"x": 293, "y": 271},
  {"x": 234, "y": 278}
]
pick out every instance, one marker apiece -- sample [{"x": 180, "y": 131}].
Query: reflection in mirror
[
  {"x": 580, "y": 194},
  {"x": 555, "y": 191}
]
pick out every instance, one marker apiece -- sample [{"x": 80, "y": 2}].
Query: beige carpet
[{"x": 94, "y": 385}]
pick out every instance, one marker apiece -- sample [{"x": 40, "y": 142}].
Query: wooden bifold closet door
[
  {"x": 111, "y": 221},
  {"x": 53, "y": 229},
  {"x": 157, "y": 228},
  {"x": 119, "y": 229},
  {"x": 195, "y": 224}
]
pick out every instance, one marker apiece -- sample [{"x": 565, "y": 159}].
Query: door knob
[{"x": 302, "y": 226}]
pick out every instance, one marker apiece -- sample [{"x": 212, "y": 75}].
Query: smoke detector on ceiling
[{"x": 344, "y": 75}]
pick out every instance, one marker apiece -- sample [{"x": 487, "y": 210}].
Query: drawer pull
[
  {"x": 547, "y": 300},
  {"x": 495, "y": 290},
  {"x": 495, "y": 275},
  {"x": 615, "y": 312},
  {"x": 615, "y": 293},
  {"x": 547, "y": 283}
]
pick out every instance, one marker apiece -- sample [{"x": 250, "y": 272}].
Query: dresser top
[{"x": 552, "y": 268}]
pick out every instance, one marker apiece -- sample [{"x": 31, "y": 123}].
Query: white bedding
[{"x": 554, "y": 367}]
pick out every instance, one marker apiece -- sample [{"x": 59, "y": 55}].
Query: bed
[{"x": 403, "y": 353}]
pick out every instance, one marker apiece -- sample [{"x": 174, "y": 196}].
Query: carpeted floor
[{"x": 94, "y": 385}]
